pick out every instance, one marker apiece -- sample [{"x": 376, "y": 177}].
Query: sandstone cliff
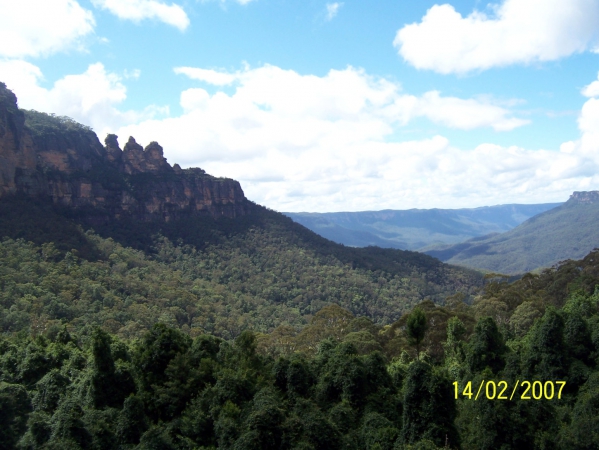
[
  {"x": 584, "y": 197},
  {"x": 58, "y": 159}
]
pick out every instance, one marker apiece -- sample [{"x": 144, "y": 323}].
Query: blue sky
[{"x": 329, "y": 106}]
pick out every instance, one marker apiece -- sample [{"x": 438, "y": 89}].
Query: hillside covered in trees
[
  {"x": 565, "y": 232},
  {"x": 356, "y": 385},
  {"x": 257, "y": 275}
]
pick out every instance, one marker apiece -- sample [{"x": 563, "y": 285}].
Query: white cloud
[
  {"x": 453, "y": 112},
  {"x": 194, "y": 99},
  {"x": 207, "y": 75},
  {"x": 519, "y": 32},
  {"x": 90, "y": 98},
  {"x": 132, "y": 74},
  {"x": 588, "y": 123},
  {"x": 591, "y": 90},
  {"x": 333, "y": 9},
  {"x": 350, "y": 93},
  {"x": 303, "y": 142},
  {"x": 23, "y": 79},
  {"x": 42, "y": 27},
  {"x": 138, "y": 10}
]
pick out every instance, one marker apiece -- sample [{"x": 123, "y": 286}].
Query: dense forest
[
  {"x": 232, "y": 335},
  {"x": 255, "y": 272},
  {"x": 340, "y": 382}
]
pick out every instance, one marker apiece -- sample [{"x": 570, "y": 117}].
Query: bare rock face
[
  {"x": 139, "y": 160},
  {"x": 584, "y": 197},
  {"x": 113, "y": 151},
  {"x": 16, "y": 147},
  {"x": 56, "y": 158}
]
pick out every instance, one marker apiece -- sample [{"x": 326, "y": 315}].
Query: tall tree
[
  {"x": 429, "y": 407},
  {"x": 486, "y": 347},
  {"x": 416, "y": 327},
  {"x": 14, "y": 408}
]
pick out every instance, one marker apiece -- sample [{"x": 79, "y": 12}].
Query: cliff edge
[
  {"x": 58, "y": 159},
  {"x": 584, "y": 197}
]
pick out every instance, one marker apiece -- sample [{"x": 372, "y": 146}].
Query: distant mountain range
[
  {"x": 568, "y": 231},
  {"x": 417, "y": 229},
  {"x": 510, "y": 239}
]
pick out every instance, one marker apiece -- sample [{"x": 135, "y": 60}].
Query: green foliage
[
  {"x": 206, "y": 392},
  {"x": 257, "y": 273},
  {"x": 378, "y": 432},
  {"x": 14, "y": 408},
  {"x": 68, "y": 427},
  {"x": 49, "y": 390},
  {"x": 156, "y": 438},
  {"x": 156, "y": 351},
  {"x": 524, "y": 317},
  {"x": 583, "y": 432},
  {"x": 263, "y": 425},
  {"x": 35, "y": 221},
  {"x": 486, "y": 348},
  {"x": 547, "y": 357},
  {"x": 416, "y": 327},
  {"x": 132, "y": 421},
  {"x": 109, "y": 385},
  {"x": 455, "y": 353},
  {"x": 429, "y": 408},
  {"x": 38, "y": 431},
  {"x": 395, "y": 339},
  {"x": 42, "y": 124}
]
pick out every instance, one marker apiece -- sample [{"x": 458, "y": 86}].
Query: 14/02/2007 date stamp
[{"x": 535, "y": 390}]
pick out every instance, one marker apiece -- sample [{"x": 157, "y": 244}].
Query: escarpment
[
  {"x": 62, "y": 161},
  {"x": 584, "y": 198}
]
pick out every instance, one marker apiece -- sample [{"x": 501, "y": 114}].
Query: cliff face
[
  {"x": 16, "y": 146},
  {"x": 60, "y": 160},
  {"x": 584, "y": 197}
]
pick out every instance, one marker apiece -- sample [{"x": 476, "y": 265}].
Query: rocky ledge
[
  {"x": 584, "y": 197},
  {"x": 58, "y": 159}
]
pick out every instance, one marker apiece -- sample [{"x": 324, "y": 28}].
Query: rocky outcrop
[
  {"x": 58, "y": 159},
  {"x": 16, "y": 146},
  {"x": 584, "y": 197}
]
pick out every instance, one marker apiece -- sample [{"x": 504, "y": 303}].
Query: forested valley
[
  {"x": 251, "y": 332},
  {"x": 174, "y": 345}
]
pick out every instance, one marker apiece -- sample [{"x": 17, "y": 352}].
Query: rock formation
[
  {"x": 57, "y": 159},
  {"x": 584, "y": 197}
]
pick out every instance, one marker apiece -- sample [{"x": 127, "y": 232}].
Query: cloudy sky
[{"x": 329, "y": 106}]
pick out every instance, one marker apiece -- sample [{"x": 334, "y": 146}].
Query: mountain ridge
[
  {"x": 417, "y": 229},
  {"x": 565, "y": 232}
]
